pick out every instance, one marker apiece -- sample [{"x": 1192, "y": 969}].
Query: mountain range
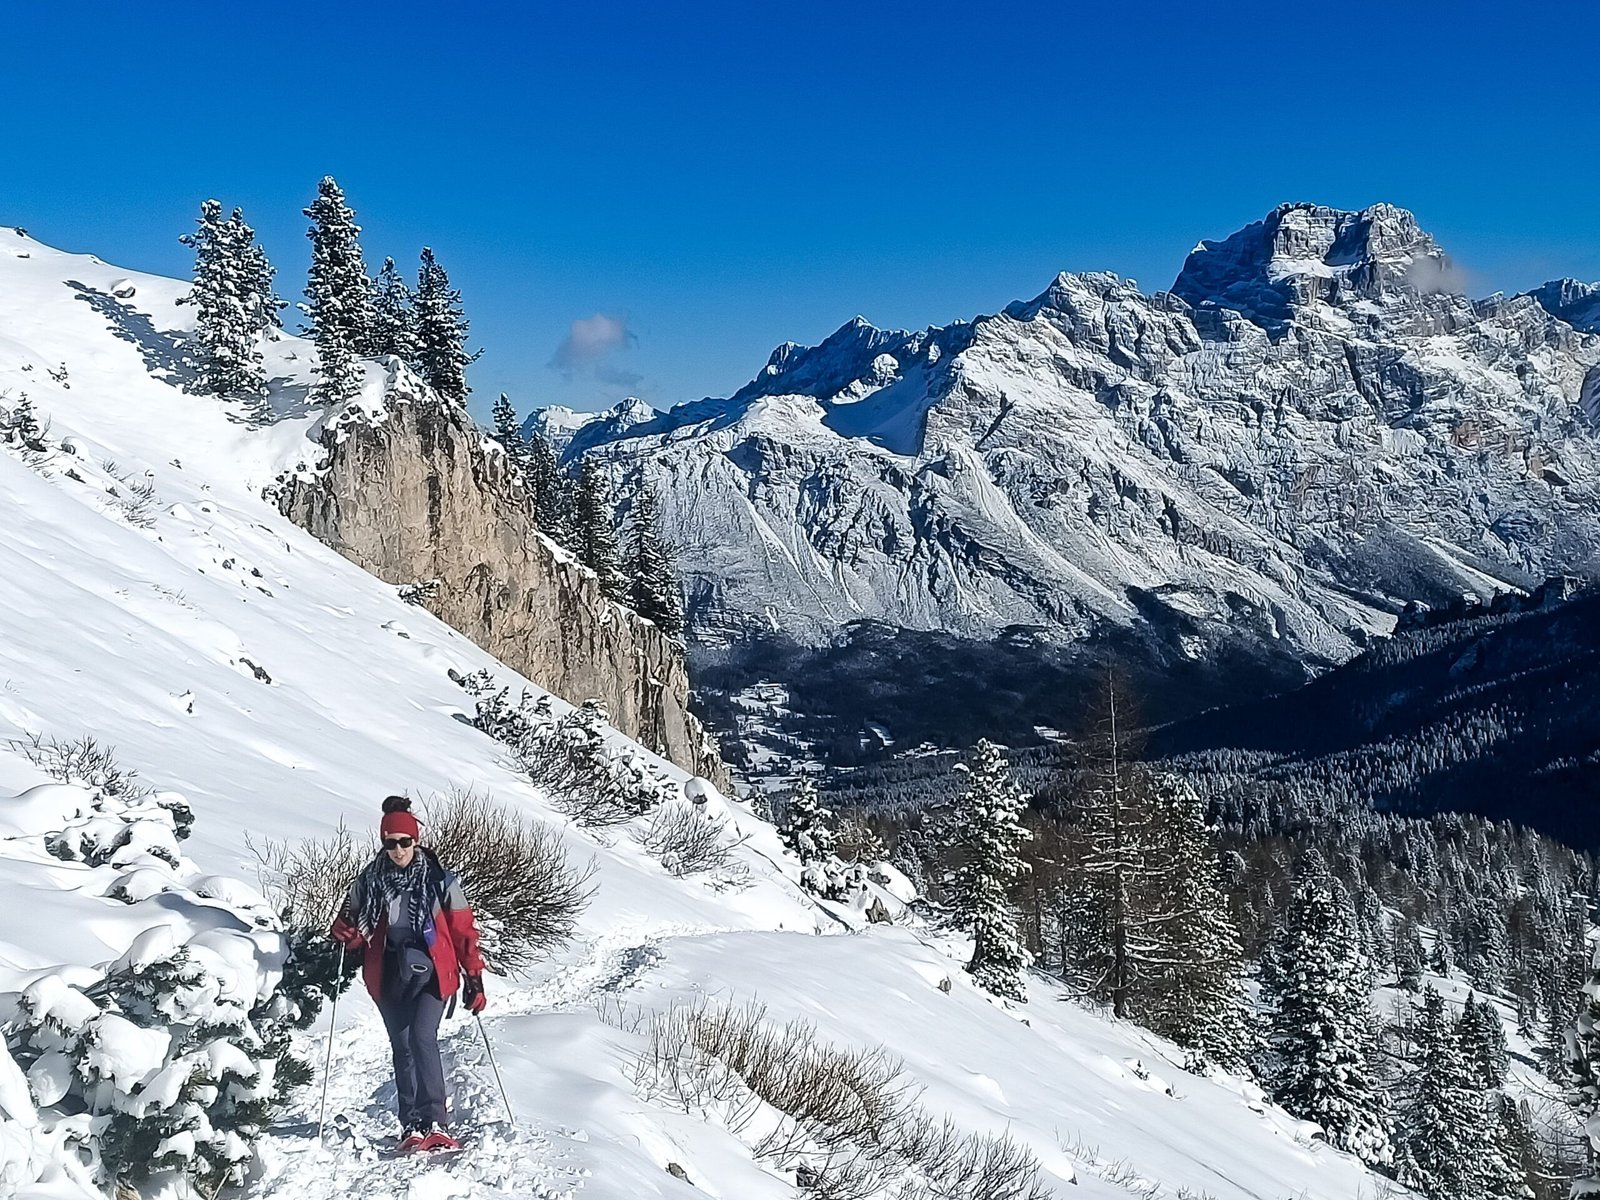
[{"x": 1230, "y": 486}]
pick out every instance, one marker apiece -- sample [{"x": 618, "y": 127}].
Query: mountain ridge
[{"x": 1287, "y": 473}]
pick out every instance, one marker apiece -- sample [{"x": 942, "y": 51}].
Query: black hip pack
[{"x": 413, "y": 970}]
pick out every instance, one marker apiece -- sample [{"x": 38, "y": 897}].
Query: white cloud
[{"x": 589, "y": 344}]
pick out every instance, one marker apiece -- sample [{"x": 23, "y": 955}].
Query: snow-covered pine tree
[
  {"x": 1320, "y": 1023},
  {"x": 596, "y": 541},
  {"x": 1445, "y": 1132},
  {"x": 553, "y": 500},
  {"x": 262, "y": 304},
  {"x": 24, "y": 429},
  {"x": 228, "y": 310},
  {"x": 394, "y": 321},
  {"x": 1583, "y": 1067},
  {"x": 650, "y": 567},
  {"x": 509, "y": 434},
  {"x": 987, "y": 834},
  {"x": 1513, "y": 1161},
  {"x": 441, "y": 331},
  {"x": 807, "y": 829},
  {"x": 1408, "y": 953},
  {"x": 339, "y": 293},
  {"x": 1440, "y": 961},
  {"x": 1185, "y": 940},
  {"x": 1483, "y": 1043}
]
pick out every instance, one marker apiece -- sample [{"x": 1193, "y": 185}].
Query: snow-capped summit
[
  {"x": 1302, "y": 253},
  {"x": 571, "y": 433},
  {"x": 1310, "y": 430},
  {"x": 1576, "y": 303}
]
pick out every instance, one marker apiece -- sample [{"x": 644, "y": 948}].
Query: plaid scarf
[{"x": 416, "y": 887}]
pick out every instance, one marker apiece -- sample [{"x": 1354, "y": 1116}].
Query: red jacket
[{"x": 452, "y": 940}]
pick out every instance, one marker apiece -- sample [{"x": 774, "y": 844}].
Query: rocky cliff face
[{"x": 418, "y": 495}]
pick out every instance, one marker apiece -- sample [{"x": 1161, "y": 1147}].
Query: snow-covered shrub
[
  {"x": 421, "y": 593},
  {"x": 525, "y": 896},
  {"x": 23, "y": 429},
  {"x": 123, "y": 833},
  {"x": 173, "y": 1051},
  {"x": 806, "y": 828},
  {"x": 688, "y": 840},
  {"x": 590, "y": 778},
  {"x": 857, "y": 842},
  {"x": 847, "y": 1122},
  {"x": 170, "y": 1061}
]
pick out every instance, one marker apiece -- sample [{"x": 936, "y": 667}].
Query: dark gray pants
[{"x": 413, "y": 1025}]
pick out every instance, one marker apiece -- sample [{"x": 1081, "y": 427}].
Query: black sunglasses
[{"x": 399, "y": 843}]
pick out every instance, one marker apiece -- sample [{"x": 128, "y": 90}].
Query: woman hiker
[{"x": 407, "y": 913}]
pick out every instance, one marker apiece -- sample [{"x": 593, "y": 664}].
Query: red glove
[
  {"x": 343, "y": 931},
  {"x": 472, "y": 993}
]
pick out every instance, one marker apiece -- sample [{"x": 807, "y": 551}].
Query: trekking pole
[
  {"x": 495, "y": 1068},
  {"x": 327, "y": 1062}
]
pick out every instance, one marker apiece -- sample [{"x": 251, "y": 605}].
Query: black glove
[{"x": 472, "y": 993}]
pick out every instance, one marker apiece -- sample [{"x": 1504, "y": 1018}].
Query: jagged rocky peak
[
  {"x": 856, "y": 357},
  {"x": 1304, "y": 253},
  {"x": 1576, "y": 303}
]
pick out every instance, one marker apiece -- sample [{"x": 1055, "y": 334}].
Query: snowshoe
[
  {"x": 438, "y": 1139},
  {"x": 415, "y": 1139}
]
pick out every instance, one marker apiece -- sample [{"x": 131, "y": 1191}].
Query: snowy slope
[{"x": 234, "y": 660}]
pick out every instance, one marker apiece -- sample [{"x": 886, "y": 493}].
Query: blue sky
[{"x": 648, "y": 197}]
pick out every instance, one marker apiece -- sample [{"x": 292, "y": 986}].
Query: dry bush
[
  {"x": 848, "y": 1121},
  {"x": 82, "y": 761},
  {"x": 139, "y": 501},
  {"x": 307, "y": 880},
  {"x": 690, "y": 841},
  {"x": 525, "y": 897}
]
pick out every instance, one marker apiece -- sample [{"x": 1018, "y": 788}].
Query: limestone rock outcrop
[{"x": 417, "y": 494}]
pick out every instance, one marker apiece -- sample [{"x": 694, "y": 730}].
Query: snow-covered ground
[{"x": 279, "y": 690}]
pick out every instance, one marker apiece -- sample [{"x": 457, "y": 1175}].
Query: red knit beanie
[{"x": 397, "y": 819}]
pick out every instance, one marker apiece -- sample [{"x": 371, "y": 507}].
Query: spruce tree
[
  {"x": 1320, "y": 1023},
  {"x": 1583, "y": 1068},
  {"x": 596, "y": 541},
  {"x": 441, "y": 332},
  {"x": 1408, "y": 954},
  {"x": 24, "y": 429},
  {"x": 339, "y": 294},
  {"x": 650, "y": 567},
  {"x": 807, "y": 829},
  {"x": 553, "y": 499},
  {"x": 1483, "y": 1043},
  {"x": 987, "y": 835},
  {"x": 1445, "y": 1131},
  {"x": 1440, "y": 962},
  {"x": 230, "y": 309},
  {"x": 1513, "y": 1160},
  {"x": 1186, "y": 939},
  {"x": 509, "y": 435},
  {"x": 394, "y": 321},
  {"x": 261, "y": 302}
]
